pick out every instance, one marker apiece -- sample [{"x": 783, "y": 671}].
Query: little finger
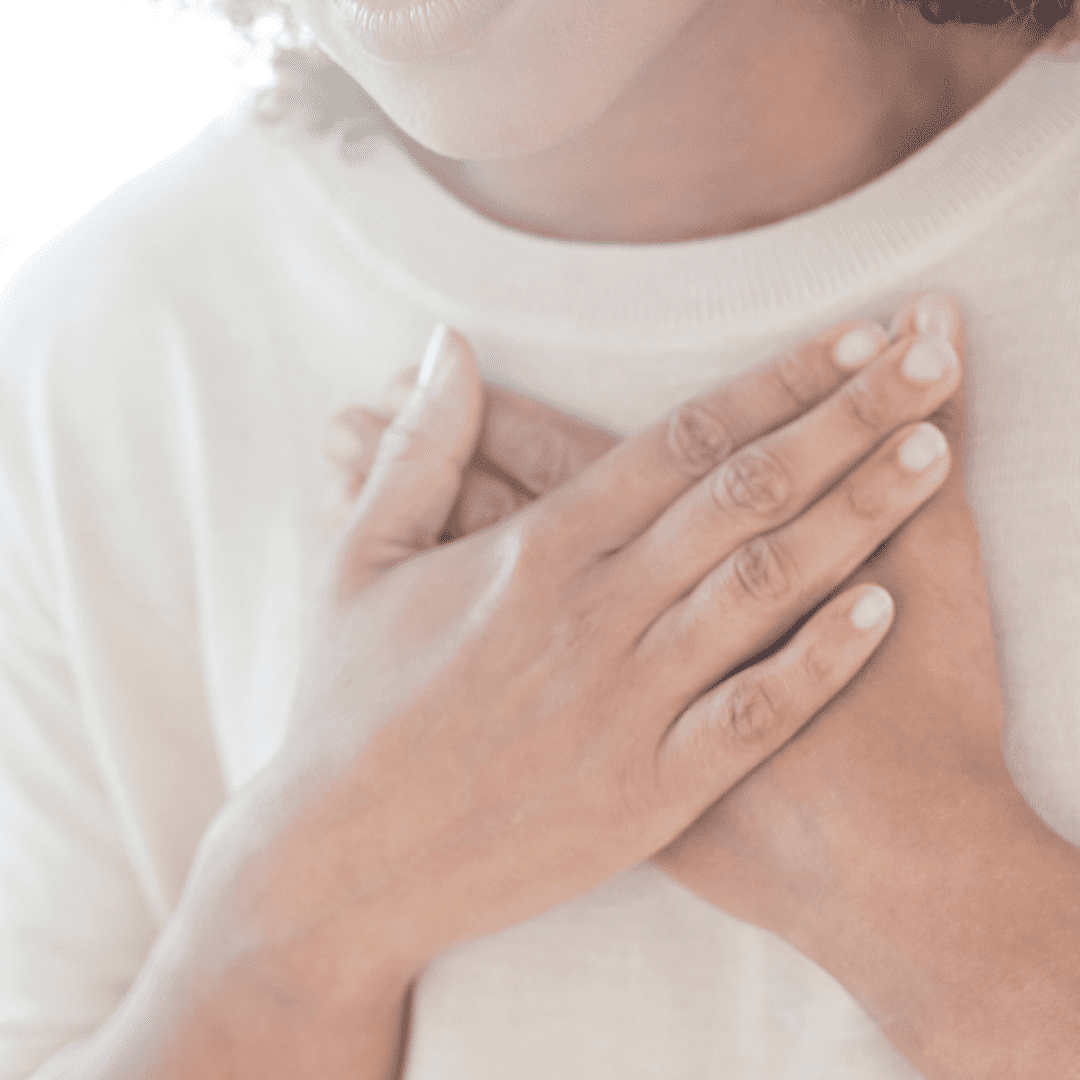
[{"x": 732, "y": 728}]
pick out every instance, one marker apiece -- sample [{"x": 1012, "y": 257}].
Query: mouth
[{"x": 410, "y": 30}]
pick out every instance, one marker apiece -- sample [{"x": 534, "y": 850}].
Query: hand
[
  {"x": 941, "y": 652},
  {"x": 888, "y": 842},
  {"x": 525, "y": 450},
  {"x": 493, "y": 726},
  {"x": 937, "y": 667}
]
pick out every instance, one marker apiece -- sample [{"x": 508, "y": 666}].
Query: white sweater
[{"x": 167, "y": 367}]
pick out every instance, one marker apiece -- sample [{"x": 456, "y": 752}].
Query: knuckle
[
  {"x": 544, "y": 462},
  {"x": 697, "y": 438},
  {"x": 761, "y": 572},
  {"x": 748, "y": 714},
  {"x": 815, "y": 664},
  {"x": 631, "y": 786},
  {"x": 398, "y": 441},
  {"x": 578, "y": 626},
  {"x": 797, "y": 378},
  {"x": 543, "y": 540},
  {"x": 350, "y": 437},
  {"x": 863, "y": 502},
  {"x": 864, "y": 407},
  {"x": 752, "y": 480},
  {"x": 486, "y": 505}
]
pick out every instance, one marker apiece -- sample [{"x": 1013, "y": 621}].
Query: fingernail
[
  {"x": 341, "y": 443},
  {"x": 936, "y": 314},
  {"x": 442, "y": 351},
  {"x": 872, "y": 608},
  {"x": 922, "y": 448},
  {"x": 859, "y": 346},
  {"x": 929, "y": 359}
]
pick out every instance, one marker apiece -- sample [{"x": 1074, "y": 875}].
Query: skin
[
  {"x": 518, "y": 714},
  {"x": 910, "y": 867},
  {"x": 643, "y": 121},
  {"x": 303, "y": 926},
  {"x": 887, "y": 840},
  {"x": 748, "y": 78}
]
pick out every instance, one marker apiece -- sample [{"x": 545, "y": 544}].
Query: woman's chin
[{"x": 469, "y": 135}]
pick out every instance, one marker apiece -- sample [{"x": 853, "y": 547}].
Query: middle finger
[{"x": 775, "y": 478}]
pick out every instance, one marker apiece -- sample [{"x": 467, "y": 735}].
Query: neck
[{"x": 754, "y": 113}]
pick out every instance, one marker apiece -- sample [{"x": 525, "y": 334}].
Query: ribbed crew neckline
[{"x": 478, "y": 273}]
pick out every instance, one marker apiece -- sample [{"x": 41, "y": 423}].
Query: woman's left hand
[{"x": 887, "y": 841}]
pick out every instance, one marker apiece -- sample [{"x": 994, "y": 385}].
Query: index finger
[
  {"x": 626, "y": 490},
  {"x": 531, "y": 446},
  {"x": 534, "y": 446}
]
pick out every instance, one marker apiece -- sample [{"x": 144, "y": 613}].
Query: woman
[{"x": 619, "y": 207}]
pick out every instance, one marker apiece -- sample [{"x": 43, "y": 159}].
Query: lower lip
[{"x": 402, "y": 31}]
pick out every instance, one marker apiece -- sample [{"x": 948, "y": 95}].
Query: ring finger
[{"x": 770, "y": 581}]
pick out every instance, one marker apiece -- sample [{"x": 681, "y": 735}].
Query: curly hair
[
  {"x": 1044, "y": 13},
  {"x": 326, "y": 100}
]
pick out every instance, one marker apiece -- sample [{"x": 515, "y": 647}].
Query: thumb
[{"x": 413, "y": 484}]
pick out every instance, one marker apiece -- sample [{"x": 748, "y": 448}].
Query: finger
[
  {"x": 769, "y": 582},
  {"x": 535, "y": 447},
  {"x": 397, "y": 392},
  {"x": 769, "y": 482},
  {"x": 484, "y": 500},
  {"x": 931, "y": 312},
  {"x": 621, "y": 494},
  {"x": 350, "y": 441},
  {"x": 351, "y": 437},
  {"x": 738, "y": 724},
  {"x": 417, "y": 473},
  {"x": 938, "y": 313},
  {"x": 528, "y": 444}
]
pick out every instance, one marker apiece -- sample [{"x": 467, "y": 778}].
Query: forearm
[
  {"x": 253, "y": 978},
  {"x": 322, "y": 1015},
  {"x": 971, "y": 967},
  {"x": 250, "y": 1024}
]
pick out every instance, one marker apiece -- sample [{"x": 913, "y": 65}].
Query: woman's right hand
[{"x": 490, "y": 727}]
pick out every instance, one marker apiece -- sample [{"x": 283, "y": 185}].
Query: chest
[{"x": 269, "y": 531}]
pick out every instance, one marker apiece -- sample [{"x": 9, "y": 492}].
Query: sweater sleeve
[
  {"x": 74, "y": 923},
  {"x": 109, "y": 772}
]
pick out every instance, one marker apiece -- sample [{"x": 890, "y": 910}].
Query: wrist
[
  {"x": 259, "y": 963},
  {"x": 270, "y": 887},
  {"x": 216, "y": 1005},
  {"x": 968, "y": 958}
]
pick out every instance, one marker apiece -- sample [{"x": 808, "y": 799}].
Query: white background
[{"x": 92, "y": 92}]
